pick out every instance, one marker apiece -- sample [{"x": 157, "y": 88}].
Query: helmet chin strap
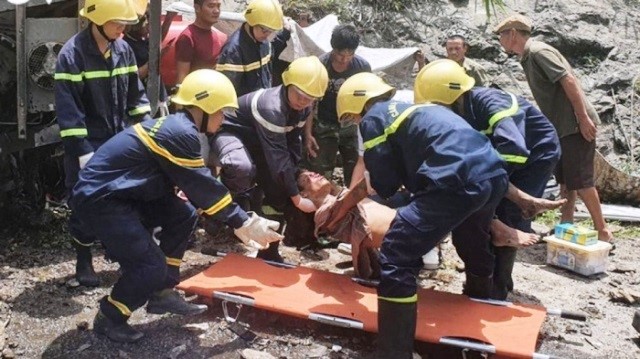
[
  {"x": 101, "y": 31},
  {"x": 204, "y": 123}
]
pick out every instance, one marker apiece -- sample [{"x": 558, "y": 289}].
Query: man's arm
[
  {"x": 345, "y": 203},
  {"x": 182, "y": 70},
  {"x": 574, "y": 93},
  {"x": 310, "y": 143}
]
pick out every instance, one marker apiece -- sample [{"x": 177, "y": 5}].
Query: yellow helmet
[
  {"x": 441, "y": 81},
  {"x": 100, "y": 12},
  {"x": 308, "y": 74},
  {"x": 357, "y": 90},
  {"x": 267, "y": 13},
  {"x": 140, "y": 6},
  {"x": 207, "y": 89}
]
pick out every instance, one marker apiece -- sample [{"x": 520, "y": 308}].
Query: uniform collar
[{"x": 115, "y": 46}]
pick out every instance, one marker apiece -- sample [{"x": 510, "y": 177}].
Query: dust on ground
[{"x": 42, "y": 316}]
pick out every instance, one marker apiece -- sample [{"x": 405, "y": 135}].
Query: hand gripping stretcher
[{"x": 497, "y": 329}]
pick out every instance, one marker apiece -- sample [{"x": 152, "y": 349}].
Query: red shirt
[{"x": 200, "y": 47}]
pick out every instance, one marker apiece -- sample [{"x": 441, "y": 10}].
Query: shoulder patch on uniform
[
  {"x": 358, "y": 93},
  {"x": 454, "y": 86},
  {"x": 91, "y": 8}
]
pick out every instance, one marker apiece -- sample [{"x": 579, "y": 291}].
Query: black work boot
[
  {"x": 502, "y": 281},
  {"x": 478, "y": 287},
  {"x": 114, "y": 330},
  {"x": 271, "y": 254},
  {"x": 396, "y": 329},
  {"x": 85, "y": 275},
  {"x": 170, "y": 301}
]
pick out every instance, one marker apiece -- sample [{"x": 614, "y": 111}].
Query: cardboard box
[
  {"x": 575, "y": 234},
  {"x": 585, "y": 260}
]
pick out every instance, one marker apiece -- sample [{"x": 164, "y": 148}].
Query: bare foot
[
  {"x": 505, "y": 236},
  {"x": 605, "y": 235},
  {"x": 535, "y": 206}
]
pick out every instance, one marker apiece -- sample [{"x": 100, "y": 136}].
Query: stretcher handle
[
  {"x": 234, "y": 298},
  {"x": 567, "y": 314},
  {"x": 275, "y": 264},
  {"x": 337, "y": 321},
  {"x": 466, "y": 344},
  {"x": 483, "y": 348}
]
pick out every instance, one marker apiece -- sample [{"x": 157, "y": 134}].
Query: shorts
[{"x": 575, "y": 169}]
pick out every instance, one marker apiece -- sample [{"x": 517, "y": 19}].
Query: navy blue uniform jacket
[
  {"x": 96, "y": 97},
  {"x": 146, "y": 161},
  {"x": 424, "y": 147}
]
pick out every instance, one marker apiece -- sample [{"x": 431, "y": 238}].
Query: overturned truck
[
  {"x": 31, "y": 154},
  {"x": 31, "y": 36}
]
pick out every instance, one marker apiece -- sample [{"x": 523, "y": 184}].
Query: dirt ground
[{"x": 42, "y": 315}]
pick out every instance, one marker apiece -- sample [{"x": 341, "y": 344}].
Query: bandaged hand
[
  {"x": 258, "y": 232},
  {"x": 82, "y": 160},
  {"x": 303, "y": 204}
]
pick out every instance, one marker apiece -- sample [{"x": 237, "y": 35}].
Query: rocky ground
[{"x": 42, "y": 313}]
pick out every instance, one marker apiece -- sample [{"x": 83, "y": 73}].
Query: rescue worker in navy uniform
[
  {"x": 98, "y": 93},
  {"x": 246, "y": 57},
  {"x": 522, "y": 135},
  {"x": 456, "y": 180},
  {"x": 128, "y": 187},
  {"x": 262, "y": 140}
]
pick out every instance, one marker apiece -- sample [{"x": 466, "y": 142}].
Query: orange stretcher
[{"x": 500, "y": 328}]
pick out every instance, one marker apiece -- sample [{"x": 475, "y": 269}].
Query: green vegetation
[{"x": 549, "y": 218}]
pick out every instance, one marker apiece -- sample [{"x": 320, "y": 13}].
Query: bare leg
[
  {"x": 568, "y": 209},
  {"x": 505, "y": 236},
  {"x": 591, "y": 199},
  {"x": 529, "y": 205}
]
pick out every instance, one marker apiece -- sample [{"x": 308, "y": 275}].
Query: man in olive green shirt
[
  {"x": 456, "y": 46},
  {"x": 560, "y": 97}
]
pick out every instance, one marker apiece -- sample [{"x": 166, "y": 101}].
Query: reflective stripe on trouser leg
[
  {"x": 144, "y": 270},
  {"x": 178, "y": 220}
]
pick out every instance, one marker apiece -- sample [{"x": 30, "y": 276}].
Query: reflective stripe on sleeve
[
  {"x": 514, "y": 158},
  {"x": 498, "y": 116},
  {"x": 244, "y": 68},
  {"x": 217, "y": 207},
  {"x": 74, "y": 132},
  {"x": 89, "y": 75},
  {"x": 393, "y": 127},
  {"x": 140, "y": 110}
]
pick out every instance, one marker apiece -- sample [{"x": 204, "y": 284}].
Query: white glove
[
  {"x": 258, "y": 232},
  {"x": 306, "y": 205},
  {"x": 82, "y": 160}
]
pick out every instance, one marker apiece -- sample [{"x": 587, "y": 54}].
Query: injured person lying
[{"x": 351, "y": 217}]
